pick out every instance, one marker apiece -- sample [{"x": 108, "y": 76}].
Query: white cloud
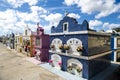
[
  {"x": 70, "y": 2},
  {"x": 103, "y": 8},
  {"x": 16, "y": 21},
  {"x": 38, "y": 9},
  {"x": 34, "y": 16},
  {"x": 110, "y": 26},
  {"x": 94, "y": 23},
  {"x": 98, "y": 25},
  {"x": 19, "y": 3},
  {"x": 53, "y": 18},
  {"x": 74, "y": 15},
  {"x": 7, "y": 22}
]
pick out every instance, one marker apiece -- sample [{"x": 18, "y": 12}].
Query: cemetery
[{"x": 71, "y": 47}]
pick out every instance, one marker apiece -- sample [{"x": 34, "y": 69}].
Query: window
[
  {"x": 37, "y": 41},
  {"x": 65, "y": 26}
]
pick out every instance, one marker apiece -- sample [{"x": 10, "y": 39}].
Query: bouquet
[
  {"x": 66, "y": 47},
  {"x": 52, "y": 46},
  {"x": 79, "y": 48},
  {"x": 60, "y": 46}
]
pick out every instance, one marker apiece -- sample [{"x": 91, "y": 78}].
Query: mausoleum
[
  {"x": 115, "y": 46},
  {"x": 40, "y": 44},
  {"x": 77, "y": 49}
]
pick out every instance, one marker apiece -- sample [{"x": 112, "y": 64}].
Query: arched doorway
[
  {"x": 74, "y": 43},
  {"x": 74, "y": 67},
  {"x": 56, "y": 60}
]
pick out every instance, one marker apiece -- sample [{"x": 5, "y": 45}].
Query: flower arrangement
[
  {"x": 60, "y": 63},
  {"x": 52, "y": 46},
  {"x": 79, "y": 48},
  {"x": 66, "y": 47},
  {"x": 79, "y": 69},
  {"x": 60, "y": 46},
  {"x": 69, "y": 67},
  {"x": 50, "y": 61}
]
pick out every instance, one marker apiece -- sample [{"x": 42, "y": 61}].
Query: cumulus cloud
[
  {"x": 74, "y": 15},
  {"x": 103, "y": 8},
  {"x": 53, "y": 18},
  {"x": 19, "y": 3},
  {"x": 7, "y": 21},
  {"x": 38, "y": 9},
  {"x": 16, "y": 20},
  {"x": 95, "y": 23},
  {"x": 70, "y": 2},
  {"x": 110, "y": 26},
  {"x": 34, "y": 16}
]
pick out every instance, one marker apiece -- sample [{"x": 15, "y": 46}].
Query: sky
[{"x": 15, "y": 15}]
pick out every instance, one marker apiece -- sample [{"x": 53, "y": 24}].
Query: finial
[{"x": 66, "y": 13}]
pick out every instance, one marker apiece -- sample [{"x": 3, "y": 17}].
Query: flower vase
[
  {"x": 61, "y": 50},
  {"x": 80, "y": 53},
  {"x": 66, "y": 52}
]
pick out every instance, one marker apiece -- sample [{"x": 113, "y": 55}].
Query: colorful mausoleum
[
  {"x": 77, "y": 49},
  {"x": 40, "y": 44},
  {"x": 115, "y": 46}
]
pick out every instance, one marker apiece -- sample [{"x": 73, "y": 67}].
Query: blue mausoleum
[
  {"x": 115, "y": 46},
  {"x": 77, "y": 49}
]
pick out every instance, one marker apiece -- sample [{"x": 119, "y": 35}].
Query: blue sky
[{"x": 16, "y": 14}]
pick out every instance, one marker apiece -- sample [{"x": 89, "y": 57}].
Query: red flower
[
  {"x": 60, "y": 63},
  {"x": 50, "y": 61},
  {"x": 34, "y": 52}
]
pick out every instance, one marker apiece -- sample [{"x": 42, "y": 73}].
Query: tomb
[
  {"x": 77, "y": 49},
  {"x": 40, "y": 44},
  {"x": 26, "y": 40},
  {"x": 115, "y": 46},
  {"x": 18, "y": 42}
]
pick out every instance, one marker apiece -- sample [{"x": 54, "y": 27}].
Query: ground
[{"x": 15, "y": 66}]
